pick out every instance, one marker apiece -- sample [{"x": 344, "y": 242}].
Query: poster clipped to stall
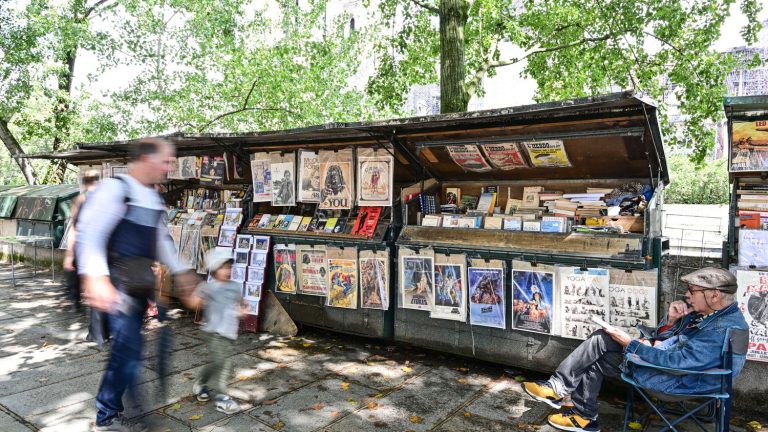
[
  {"x": 342, "y": 277},
  {"x": 337, "y": 183},
  {"x": 633, "y": 299},
  {"x": 311, "y": 268},
  {"x": 533, "y": 297},
  {"x": 417, "y": 269},
  {"x": 309, "y": 177},
  {"x": 375, "y": 168},
  {"x": 262, "y": 177},
  {"x": 749, "y": 151},
  {"x": 752, "y": 296},
  {"x": 752, "y": 246},
  {"x": 283, "y": 167},
  {"x": 486, "y": 293},
  {"x": 285, "y": 268},
  {"x": 469, "y": 158},
  {"x": 374, "y": 279},
  {"x": 505, "y": 156},
  {"x": 547, "y": 154},
  {"x": 450, "y": 294},
  {"x": 583, "y": 294}
]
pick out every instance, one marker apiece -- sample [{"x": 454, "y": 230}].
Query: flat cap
[{"x": 712, "y": 278}]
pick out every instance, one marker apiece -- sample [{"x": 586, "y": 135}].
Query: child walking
[{"x": 221, "y": 300}]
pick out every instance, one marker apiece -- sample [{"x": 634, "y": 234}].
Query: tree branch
[
  {"x": 676, "y": 49},
  {"x": 17, "y": 152},
  {"x": 478, "y": 77},
  {"x": 432, "y": 9},
  {"x": 90, "y": 10},
  {"x": 250, "y": 92},
  {"x": 549, "y": 49},
  {"x": 237, "y": 111}
]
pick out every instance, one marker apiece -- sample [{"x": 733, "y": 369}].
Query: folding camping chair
[{"x": 711, "y": 407}]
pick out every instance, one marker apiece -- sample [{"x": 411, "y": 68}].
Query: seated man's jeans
[
  {"x": 124, "y": 363},
  {"x": 581, "y": 373}
]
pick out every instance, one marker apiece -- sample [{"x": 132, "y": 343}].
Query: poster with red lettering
[{"x": 753, "y": 302}]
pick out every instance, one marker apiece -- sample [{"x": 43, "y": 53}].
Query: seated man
[{"x": 690, "y": 337}]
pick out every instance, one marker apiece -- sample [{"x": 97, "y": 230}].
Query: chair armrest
[{"x": 633, "y": 358}]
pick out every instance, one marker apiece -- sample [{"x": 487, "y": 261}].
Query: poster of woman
[{"x": 532, "y": 301}]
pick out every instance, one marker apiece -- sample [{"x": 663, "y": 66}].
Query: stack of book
[{"x": 752, "y": 203}]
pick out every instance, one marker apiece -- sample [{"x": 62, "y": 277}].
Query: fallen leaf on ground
[
  {"x": 378, "y": 395},
  {"x": 281, "y": 366},
  {"x": 376, "y": 357},
  {"x": 269, "y": 402},
  {"x": 416, "y": 419},
  {"x": 344, "y": 385},
  {"x": 176, "y": 406},
  {"x": 45, "y": 345},
  {"x": 461, "y": 381},
  {"x": 520, "y": 378},
  {"x": 242, "y": 378},
  {"x": 315, "y": 407},
  {"x": 380, "y": 424},
  {"x": 372, "y": 405},
  {"x": 306, "y": 345},
  {"x": 467, "y": 414},
  {"x": 461, "y": 369},
  {"x": 352, "y": 401},
  {"x": 635, "y": 425},
  {"x": 279, "y": 425},
  {"x": 406, "y": 369},
  {"x": 755, "y": 425},
  {"x": 334, "y": 413},
  {"x": 196, "y": 417}
]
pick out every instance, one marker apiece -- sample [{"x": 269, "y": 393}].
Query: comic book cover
[
  {"x": 583, "y": 293},
  {"x": 212, "y": 170},
  {"x": 752, "y": 296},
  {"x": 311, "y": 267},
  {"x": 450, "y": 295},
  {"x": 374, "y": 280},
  {"x": 285, "y": 268},
  {"x": 469, "y": 158},
  {"x": 533, "y": 294},
  {"x": 505, "y": 156},
  {"x": 309, "y": 177},
  {"x": 416, "y": 281},
  {"x": 342, "y": 283},
  {"x": 283, "y": 186},
  {"x": 547, "y": 154},
  {"x": 336, "y": 177},
  {"x": 633, "y": 299},
  {"x": 374, "y": 179},
  {"x": 486, "y": 297},
  {"x": 262, "y": 177}
]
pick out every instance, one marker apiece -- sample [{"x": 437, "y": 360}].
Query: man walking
[{"x": 121, "y": 233}]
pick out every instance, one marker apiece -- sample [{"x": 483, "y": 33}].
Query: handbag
[{"x": 134, "y": 276}]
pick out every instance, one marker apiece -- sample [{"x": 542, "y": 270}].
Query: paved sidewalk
[{"x": 318, "y": 381}]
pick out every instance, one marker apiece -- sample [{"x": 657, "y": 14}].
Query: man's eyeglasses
[{"x": 692, "y": 291}]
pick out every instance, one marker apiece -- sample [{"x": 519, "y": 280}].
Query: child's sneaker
[
  {"x": 201, "y": 391},
  {"x": 226, "y": 404}
]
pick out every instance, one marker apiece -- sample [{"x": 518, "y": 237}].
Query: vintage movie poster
[
  {"x": 450, "y": 295},
  {"x": 227, "y": 236},
  {"x": 752, "y": 246},
  {"x": 374, "y": 279},
  {"x": 374, "y": 178},
  {"x": 417, "y": 279},
  {"x": 252, "y": 290},
  {"x": 187, "y": 167},
  {"x": 633, "y": 299},
  {"x": 547, "y": 154},
  {"x": 283, "y": 180},
  {"x": 533, "y": 300},
  {"x": 505, "y": 156},
  {"x": 469, "y": 158},
  {"x": 486, "y": 295},
  {"x": 262, "y": 177},
  {"x": 311, "y": 267},
  {"x": 285, "y": 268},
  {"x": 337, "y": 184},
  {"x": 342, "y": 277},
  {"x": 583, "y": 293},
  {"x": 752, "y": 296},
  {"x": 309, "y": 177},
  {"x": 749, "y": 148}
]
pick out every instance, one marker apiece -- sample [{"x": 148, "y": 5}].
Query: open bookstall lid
[
  {"x": 746, "y": 107},
  {"x": 37, "y": 202},
  {"x": 747, "y": 135}
]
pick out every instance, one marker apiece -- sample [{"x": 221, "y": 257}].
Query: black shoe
[{"x": 121, "y": 424}]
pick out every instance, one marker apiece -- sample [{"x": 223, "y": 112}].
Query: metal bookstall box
[
  {"x": 8, "y": 198},
  {"x": 558, "y": 148},
  {"x": 43, "y": 210}
]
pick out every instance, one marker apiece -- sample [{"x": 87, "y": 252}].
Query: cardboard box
[{"x": 633, "y": 224}]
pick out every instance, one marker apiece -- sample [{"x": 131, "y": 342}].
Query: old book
[
  {"x": 513, "y": 223},
  {"x": 487, "y": 202},
  {"x": 295, "y": 223},
  {"x": 531, "y": 196},
  {"x": 512, "y": 206},
  {"x": 330, "y": 224},
  {"x": 534, "y": 226},
  {"x": 452, "y": 196},
  {"x": 304, "y": 225},
  {"x": 431, "y": 220},
  {"x": 493, "y": 222},
  {"x": 553, "y": 224}
]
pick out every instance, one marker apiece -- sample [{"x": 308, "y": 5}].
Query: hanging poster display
[
  {"x": 752, "y": 247},
  {"x": 533, "y": 297},
  {"x": 252, "y": 307},
  {"x": 486, "y": 293},
  {"x": 309, "y": 177},
  {"x": 336, "y": 179},
  {"x": 505, "y": 156},
  {"x": 469, "y": 158},
  {"x": 190, "y": 241},
  {"x": 583, "y": 293},
  {"x": 283, "y": 173},
  {"x": 547, "y": 154},
  {"x": 232, "y": 217},
  {"x": 375, "y": 169},
  {"x": 633, "y": 299},
  {"x": 227, "y": 236},
  {"x": 342, "y": 277},
  {"x": 749, "y": 151},
  {"x": 312, "y": 270},
  {"x": 417, "y": 271},
  {"x": 752, "y": 296},
  {"x": 262, "y": 177},
  {"x": 252, "y": 290},
  {"x": 374, "y": 279},
  {"x": 450, "y": 295},
  {"x": 285, "y": 268}
]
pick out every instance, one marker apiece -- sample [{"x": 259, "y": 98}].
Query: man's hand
[
  {"x": 620, "y": 336},
  {"x": 69, "y": 262},
  {"x": 185, "y": 282},
  {"x": 100, "y": 292},
  {"x": 677, "y": 310}
]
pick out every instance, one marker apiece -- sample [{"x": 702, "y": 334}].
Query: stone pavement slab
[
  {"x": 275, "y": 382},
  {"x": 9, "y": 423},
  {"x": 237, "y": 423}
]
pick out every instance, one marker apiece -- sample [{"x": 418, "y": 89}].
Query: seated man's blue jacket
[{"x": 692, "y": 347}]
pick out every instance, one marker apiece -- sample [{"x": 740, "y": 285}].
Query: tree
[
  {"x": 706, "y": 183},
  {"x": 571, "y": 48}
]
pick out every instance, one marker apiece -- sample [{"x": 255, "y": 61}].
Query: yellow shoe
[
  {"x": 542, "y": 392},
  {"x": 570, "y": 421}
]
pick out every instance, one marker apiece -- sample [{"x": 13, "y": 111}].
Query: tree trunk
[
  {"x": 15, "y": 150},
  {"x": 453, "y": 94}
]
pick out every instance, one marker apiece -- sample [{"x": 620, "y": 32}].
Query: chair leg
[
  {"x": 629, "y": 408},
  {"x": 724, "y": 419},
  {"x": 670, "y": 426}
]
